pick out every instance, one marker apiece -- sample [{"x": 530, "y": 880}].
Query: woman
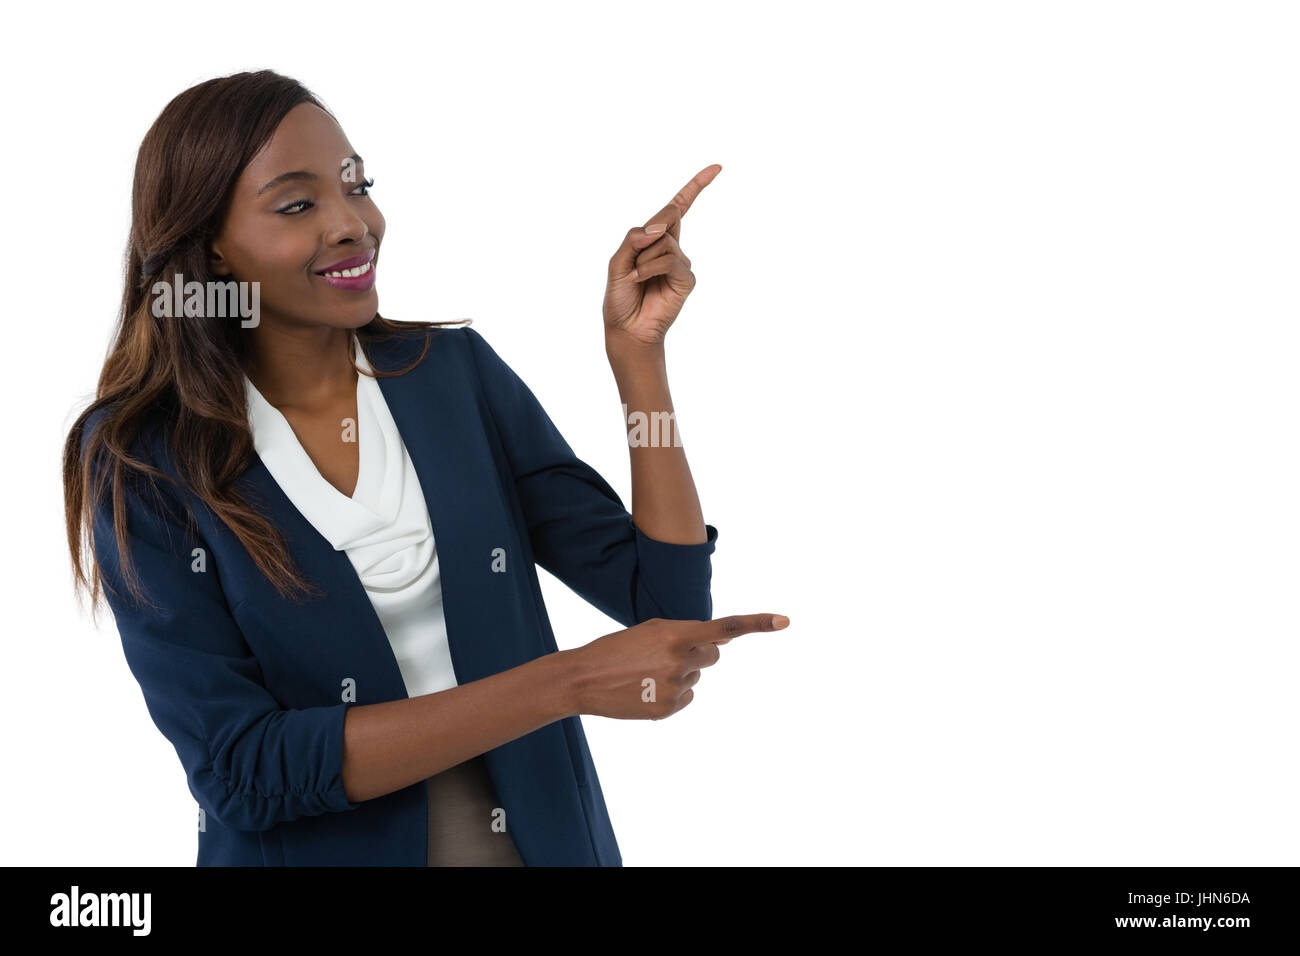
[{"x": 318, "y": 528}]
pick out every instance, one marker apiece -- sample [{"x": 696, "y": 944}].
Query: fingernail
[
  {"x": 656, "y": 228},
  {"x": 779, "y": 620}
]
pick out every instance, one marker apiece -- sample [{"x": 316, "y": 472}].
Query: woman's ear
[{"x": 217, "y": 262}]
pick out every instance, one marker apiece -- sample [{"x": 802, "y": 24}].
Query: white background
[{"x": 988, "y": 382}]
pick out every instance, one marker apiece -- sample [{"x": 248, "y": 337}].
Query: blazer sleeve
[
  {"x": 577, "y": 525},
  {"x": 250, "y": 763}
]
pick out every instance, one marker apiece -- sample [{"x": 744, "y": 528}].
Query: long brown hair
[{"x": 190, "y": 385}]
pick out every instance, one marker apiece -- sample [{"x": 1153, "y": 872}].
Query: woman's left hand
[{"x": 649, "y": 276}]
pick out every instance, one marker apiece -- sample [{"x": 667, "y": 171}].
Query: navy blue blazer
[{"x": 248, "y": 686}]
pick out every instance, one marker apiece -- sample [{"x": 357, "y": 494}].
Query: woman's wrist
[
  {"x": 626, "y": 353},
  {"x": 561, "y": 678}
]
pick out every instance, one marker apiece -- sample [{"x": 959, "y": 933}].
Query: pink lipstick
[{"x": 356, "y": 273}]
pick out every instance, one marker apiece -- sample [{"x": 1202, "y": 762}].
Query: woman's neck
[{"x": 304, "y": 368}]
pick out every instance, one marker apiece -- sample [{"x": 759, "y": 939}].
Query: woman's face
[{"x": 299, "y": 209}]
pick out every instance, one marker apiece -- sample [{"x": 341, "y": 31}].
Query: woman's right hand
[{"x": 647, "y": 672}]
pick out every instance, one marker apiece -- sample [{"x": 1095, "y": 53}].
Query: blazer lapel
[
  {"x": 341, "y": 624},
  {"x": 479, "y": 557},
  {"x": 492, "y": 616}
]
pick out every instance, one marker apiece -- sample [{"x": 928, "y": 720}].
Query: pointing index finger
[
  {"x": 679, "y": 204},
  {"x": 725, "y": 628}
]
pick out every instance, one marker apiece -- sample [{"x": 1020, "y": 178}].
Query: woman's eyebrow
[{"x": 300, "y": 175}]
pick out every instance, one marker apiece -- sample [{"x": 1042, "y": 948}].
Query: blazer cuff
[
  {"x": 335, "y": 798},
  {"x": 677, "y": 577}
]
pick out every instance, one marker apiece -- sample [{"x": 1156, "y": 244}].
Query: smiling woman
[
  {"x": 246, "y": 178},
  {"x": 300, "y": 221},
  {"x": 336, "y": 618}
]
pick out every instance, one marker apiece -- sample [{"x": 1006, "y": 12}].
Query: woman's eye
[{"x": 291, "y": 210}]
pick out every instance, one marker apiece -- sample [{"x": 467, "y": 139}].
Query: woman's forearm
[
  {"x": 397, "y": 743},
  {"x": 665, "y": 504}
]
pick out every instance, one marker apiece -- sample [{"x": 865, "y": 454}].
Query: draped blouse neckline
[{"x": 383, "y": 525}]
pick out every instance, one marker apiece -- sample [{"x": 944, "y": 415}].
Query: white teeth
[{"x": 350, "y": 273}]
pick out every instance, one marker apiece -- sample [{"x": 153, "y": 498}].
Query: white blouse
[{"x": 384, "y": 527}]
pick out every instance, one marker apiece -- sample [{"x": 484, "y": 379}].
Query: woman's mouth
[{"x": 357, "y": 273}]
